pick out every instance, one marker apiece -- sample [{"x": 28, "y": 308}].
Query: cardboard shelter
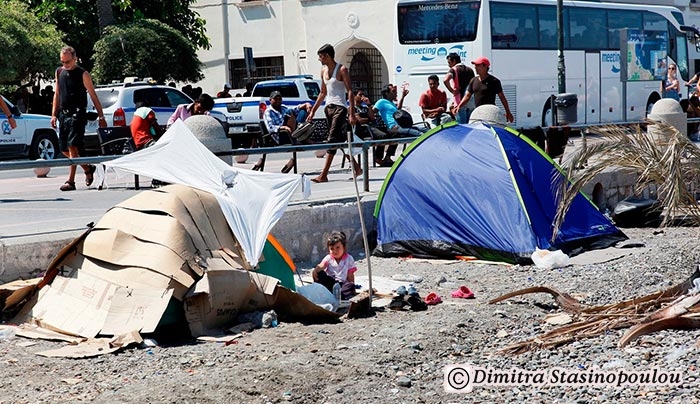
[{"x": 161, "y": 250}]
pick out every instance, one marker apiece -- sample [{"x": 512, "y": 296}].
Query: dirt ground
[{"x": 396, "y": 356}]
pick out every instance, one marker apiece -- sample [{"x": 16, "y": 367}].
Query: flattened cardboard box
[{"x": 222, "y": 294}]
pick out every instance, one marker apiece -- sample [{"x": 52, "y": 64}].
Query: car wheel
[{"x": 44, "y": 146}]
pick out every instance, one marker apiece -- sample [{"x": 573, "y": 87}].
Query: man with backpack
[{"x": 456, "y": 81}]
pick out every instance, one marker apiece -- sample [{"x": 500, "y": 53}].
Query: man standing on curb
[
  {"x": 335, "y": 84},
  {"x": 69, "y": 109}
]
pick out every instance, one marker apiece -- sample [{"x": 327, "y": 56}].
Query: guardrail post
[{"x": 365, "y": 166}]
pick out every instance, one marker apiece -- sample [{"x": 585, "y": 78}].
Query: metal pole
[
  {"x": 368, "y": 253},
  {"x": 561, "y": 68}
]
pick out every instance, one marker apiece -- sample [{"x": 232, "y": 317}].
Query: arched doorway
[{"x": 367, "y": 69}]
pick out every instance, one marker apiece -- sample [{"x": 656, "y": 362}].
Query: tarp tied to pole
[{"x": 252, "y": 201}]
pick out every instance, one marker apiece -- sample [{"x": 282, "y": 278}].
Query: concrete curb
[{"x": 303, "y": 226}]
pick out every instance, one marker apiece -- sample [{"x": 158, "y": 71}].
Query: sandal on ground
[
  {"x": 258, "y": 166},
  {"x": 401, "y": 291},
  {"x": 89, "y": 175},
  {"x": 432, "y": 299},
  {"x": 463, "y": 293},
  {"x": 288, "y": 167},
  {"x": 68, "y": 186},
  {"x": 383, "y": 163},
  {"x": 397, "y": 303},
  {"x": 319, "y": 180},
  {"x": 416, "y": 303}
]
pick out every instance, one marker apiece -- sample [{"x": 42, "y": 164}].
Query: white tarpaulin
[{"x": 252, "y": 201}]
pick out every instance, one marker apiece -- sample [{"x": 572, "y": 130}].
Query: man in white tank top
[{"x": 335, "y": 89}]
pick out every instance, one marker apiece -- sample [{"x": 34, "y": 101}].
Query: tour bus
[{"x": 519, "y": 37}]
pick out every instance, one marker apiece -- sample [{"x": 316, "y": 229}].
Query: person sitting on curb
[
  {"x": 281, "y": 122},
  {"x": 386, "y": 109},
  {"x": 336, "y": 271},
  {"x": 434, "y": 103}
]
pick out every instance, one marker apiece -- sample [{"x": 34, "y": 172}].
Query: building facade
[{"x": 284, "y": 36}]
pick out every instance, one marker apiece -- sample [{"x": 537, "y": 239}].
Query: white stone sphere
[
  {"x": 41, "y": 172},
  {"x": 241, "y": 158}
]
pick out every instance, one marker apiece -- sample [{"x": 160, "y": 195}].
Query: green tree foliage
[
  {"x": 30, "y": 48},
  {"x": 78, "y": 19},
  {"x": 145, "y": 48}
]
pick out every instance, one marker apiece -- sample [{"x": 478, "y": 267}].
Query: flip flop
[
  {"x": 318, "y": 181},
  {"x": 463, "y": 293},
  {"x": 433, "y": 298}
]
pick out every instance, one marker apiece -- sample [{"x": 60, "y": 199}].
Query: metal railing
[{"x": 365, "y": 146}]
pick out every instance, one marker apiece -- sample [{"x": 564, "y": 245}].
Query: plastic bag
[
  {"x": 545, "y": 259},
  {"x": 318, "y": 294}
]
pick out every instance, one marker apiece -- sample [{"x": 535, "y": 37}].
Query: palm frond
[{"x": 664, "y": 160}]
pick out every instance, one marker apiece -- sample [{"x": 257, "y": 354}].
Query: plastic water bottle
[
  {"x": 314, "y": 255},
  {"x": 336, "y": 292}
]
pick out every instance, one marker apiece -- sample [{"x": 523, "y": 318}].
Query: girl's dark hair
[{"x": 337, "y": 236}]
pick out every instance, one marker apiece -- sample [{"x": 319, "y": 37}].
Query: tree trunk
[{"x": 105, "y": 16}]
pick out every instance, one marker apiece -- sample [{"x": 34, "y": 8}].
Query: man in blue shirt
[
  {"x": 386, "y": 109},
  {"x": 281, "y": 121}
]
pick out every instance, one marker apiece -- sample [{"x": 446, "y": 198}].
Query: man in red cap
[{"x": 484, "y": 87}]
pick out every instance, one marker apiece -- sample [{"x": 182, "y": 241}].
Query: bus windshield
[{"x": 437, "y": 22}]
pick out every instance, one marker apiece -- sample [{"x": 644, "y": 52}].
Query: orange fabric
[{"x": 283, "y": 253}]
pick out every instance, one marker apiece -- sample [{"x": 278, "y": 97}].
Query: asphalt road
[{"x": 34, "y": 208}]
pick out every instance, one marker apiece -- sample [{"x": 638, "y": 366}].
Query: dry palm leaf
[
  {"x": 671, "y": 308},
  {"x": 664, "y": 159}
]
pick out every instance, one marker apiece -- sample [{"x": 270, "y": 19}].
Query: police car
[
  {"x": 33, "y": 137},
  {"x": 119, "y": 103}
]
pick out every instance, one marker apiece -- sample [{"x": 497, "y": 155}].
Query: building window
[{"x": 266, "y": 68}]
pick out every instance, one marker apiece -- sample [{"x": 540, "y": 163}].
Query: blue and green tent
[{"x": 482, "y": 191}]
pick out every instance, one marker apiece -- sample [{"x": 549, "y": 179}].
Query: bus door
[{"x": 591, "y": 102}]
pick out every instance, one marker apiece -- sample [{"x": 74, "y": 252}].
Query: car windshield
[
  {"x": 288, "y": 90},
  {"x": 107, "y": 96}
]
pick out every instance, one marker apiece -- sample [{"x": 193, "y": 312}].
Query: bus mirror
[{"x": 693, "y": 35}]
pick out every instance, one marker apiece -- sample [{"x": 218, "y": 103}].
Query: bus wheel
[
  {"x": 651, "y": 101},
  {"x": 547, "y": 118}
]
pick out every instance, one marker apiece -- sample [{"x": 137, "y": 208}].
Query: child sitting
[{"x": 337, "y": 268}]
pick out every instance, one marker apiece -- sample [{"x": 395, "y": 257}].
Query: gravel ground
[{"x": 396, "y": 356}]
